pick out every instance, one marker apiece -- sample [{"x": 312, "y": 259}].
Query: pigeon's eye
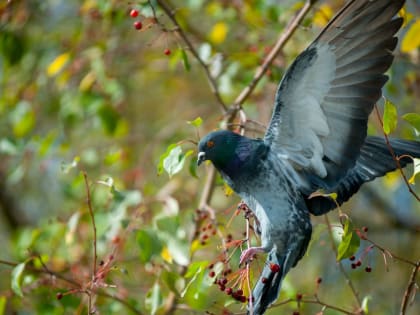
[{"x": 210, "y": 144}]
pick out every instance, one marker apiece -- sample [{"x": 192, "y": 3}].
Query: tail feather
[
  {"x": 375, "y": 160},
  {"x": 268, "y": 285}
]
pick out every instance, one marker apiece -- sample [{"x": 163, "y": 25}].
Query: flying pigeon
[{"x": 316, "y": 140}]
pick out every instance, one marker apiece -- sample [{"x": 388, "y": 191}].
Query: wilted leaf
[
  {"x": 416, "y": 164},
  {"x": 413, "y": 119},
  {"x": 218, "y": 33},
  {"x": 57, "y": 64},
  {"x": 411, "y": 39},
  {"x": 16, "y": 277},
  {"x": 350, "y": 242},
  {"x": 390, "y": 117}
]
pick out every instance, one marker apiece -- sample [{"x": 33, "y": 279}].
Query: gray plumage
[{"x": 316, "y": 138}]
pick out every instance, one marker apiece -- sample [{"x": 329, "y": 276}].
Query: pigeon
[{"x": 316, "y": 139}]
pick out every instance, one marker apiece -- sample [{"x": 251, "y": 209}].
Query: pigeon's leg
[{"x": 249, "y": 253}]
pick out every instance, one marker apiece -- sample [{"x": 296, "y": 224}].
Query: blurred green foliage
[{"x": 82, "y": 90}]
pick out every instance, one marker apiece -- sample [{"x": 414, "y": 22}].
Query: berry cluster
[
  {"x": 206, "y": 227},
  {"x": 138, "y": 25}
]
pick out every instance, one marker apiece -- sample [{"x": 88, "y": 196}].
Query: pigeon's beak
[{"x": 201, "y": 158}]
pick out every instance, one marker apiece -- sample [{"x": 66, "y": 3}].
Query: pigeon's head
[{"x": 219, "y": 147}]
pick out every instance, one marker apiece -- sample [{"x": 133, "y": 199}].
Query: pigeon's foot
[{"x": 249, "y": 253}]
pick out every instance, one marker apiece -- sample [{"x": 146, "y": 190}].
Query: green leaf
[
  {"x": 413, "y": 119},
  {"x": 149, "y": 244},
  {"x": 154, "y": 299},
  {"x": 416, "y": 164},
  {"x": 193, "y": 167},
  {"x": 185, "y": 61},
  {"x": 109, "y": 118},
  {"x": 162, "y": 158},
  {"x": 2, "y": 304},
  {"x": 194, "y": 270},
  {"x": 174, "y": 161},
  {"x": 16, "y": 277},
  {"x": 196, "y": 122},
  {"x": 390, "y": 117},
  {"x": 67, "y": 167},
  {"x": 365, "y": 302},
  {"x": 350, "y": 242}
]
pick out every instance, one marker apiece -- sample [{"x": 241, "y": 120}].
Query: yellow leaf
[
  {"x": 218, "y": 33},
  {"x": 87, "y": 82},
  {"x": 57, "y": 64},
  {"x": 228, "y": 190},
  {"x": 166, "y": 255},
  {"x": 323, "y": 15},
  {"x": 411, "y": 39},
  {"x": 416, "y": 163}
]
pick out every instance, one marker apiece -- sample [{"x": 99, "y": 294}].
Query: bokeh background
[{"x": 84, "y": 92}]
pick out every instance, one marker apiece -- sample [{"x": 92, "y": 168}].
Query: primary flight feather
[{"x": 317, "y": 137}]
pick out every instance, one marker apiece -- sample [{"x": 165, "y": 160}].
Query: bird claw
[{"x": 249, "y": 253}]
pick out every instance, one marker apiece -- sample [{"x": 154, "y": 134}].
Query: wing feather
[{"x": 322, "y": 105}]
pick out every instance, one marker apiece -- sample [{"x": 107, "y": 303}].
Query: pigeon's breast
[{"x": 276, "y": 203}]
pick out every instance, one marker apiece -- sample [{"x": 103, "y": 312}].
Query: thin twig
[
  {"x": 92, "y": 217},
  {"x": 410, "y": 288},
  {"x": 72, "y": 282},
  {"x": 281, "y": 41},
  {"x": 396, "y": 160},
  {"x": 213, "y": 84},
  {"x": 340, "y": 265}
]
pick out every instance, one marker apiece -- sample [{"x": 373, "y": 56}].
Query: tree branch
[
  {"x": 213, "y": 84},
  {"x": 411, "y": 288}
]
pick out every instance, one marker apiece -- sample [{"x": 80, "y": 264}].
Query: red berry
[
  {"x": 134, "y": 13},
  {"x": 274, "y": 268},
  {"x": 359, "y": 263},
  {"x": 365, "y": 229},
  {"x": 352, "y": 258},
  {"x": 242, "y": 298},
  {"x": 224, "y": 281},
  {"x": 138, "y": 25},
  {"x": 353, "y": 266},
  {"x": 59, "y": 296},
  {"x": 239, "y": 292},
  {"x": 228, "y": 291},
  {"x": 211, "y": 266},
  {"x": 368, "y": 269},
  {"x": 167, "y": 51},
  {"x": 299, "y": 296},
  {"x": 318, "y": 280},
  {"x": 212, "y": 274},
  {"x": 264, "y": 280}
]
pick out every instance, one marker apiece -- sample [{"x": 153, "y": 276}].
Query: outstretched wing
[{"x": 323, "y": 102}]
